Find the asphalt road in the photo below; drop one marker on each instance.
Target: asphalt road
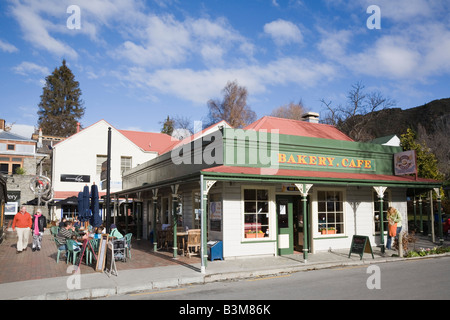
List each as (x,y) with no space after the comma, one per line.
(406,280)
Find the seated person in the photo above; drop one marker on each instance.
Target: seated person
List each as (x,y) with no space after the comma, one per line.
(66,232)
(115,233)
(77,244)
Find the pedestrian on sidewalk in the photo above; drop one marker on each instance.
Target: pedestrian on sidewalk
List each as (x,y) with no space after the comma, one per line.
(39,224)
(394,217)
(22,223)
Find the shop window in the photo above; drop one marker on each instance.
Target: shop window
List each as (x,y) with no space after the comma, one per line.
(100,160)
(125,164)
(376,212)
(330,212)
(11,147)
(4,168)
(256,213)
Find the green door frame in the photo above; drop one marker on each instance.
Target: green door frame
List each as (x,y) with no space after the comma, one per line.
(285,225)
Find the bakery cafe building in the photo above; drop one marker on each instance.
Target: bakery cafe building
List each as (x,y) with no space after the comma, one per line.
(275,187)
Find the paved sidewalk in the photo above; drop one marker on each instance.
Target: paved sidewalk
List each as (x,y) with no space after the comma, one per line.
(35,275)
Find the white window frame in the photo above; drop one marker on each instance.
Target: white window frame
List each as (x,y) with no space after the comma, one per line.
(271,213)
(315,212)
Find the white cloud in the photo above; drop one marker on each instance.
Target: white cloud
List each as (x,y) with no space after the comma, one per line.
(26,68)
(35,29)
(202,85)
(7,47)
(283,32)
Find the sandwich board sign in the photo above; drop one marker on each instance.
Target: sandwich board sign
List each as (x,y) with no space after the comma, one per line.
(360,244)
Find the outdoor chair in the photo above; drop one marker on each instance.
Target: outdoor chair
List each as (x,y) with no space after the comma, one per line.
(128,244)
(54,230)
(58,247)
(95,244)
(71,253)
(193,241)
(169,238)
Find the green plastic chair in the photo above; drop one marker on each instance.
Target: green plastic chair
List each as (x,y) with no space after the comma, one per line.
(54,230)
(58,247)
(128,239)
(95,244)
(71,252)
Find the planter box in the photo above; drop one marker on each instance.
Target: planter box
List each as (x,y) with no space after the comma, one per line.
(324,231)
(254,235)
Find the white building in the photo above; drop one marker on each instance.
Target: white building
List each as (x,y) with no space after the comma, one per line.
(77,160)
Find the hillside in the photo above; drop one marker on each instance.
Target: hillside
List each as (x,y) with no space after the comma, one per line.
(397,121)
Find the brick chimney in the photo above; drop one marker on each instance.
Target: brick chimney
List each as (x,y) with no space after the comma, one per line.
(78,127)
(2,124)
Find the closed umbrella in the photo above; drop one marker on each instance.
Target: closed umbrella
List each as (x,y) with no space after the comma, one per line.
(87,211)
(80,207)
(96,220)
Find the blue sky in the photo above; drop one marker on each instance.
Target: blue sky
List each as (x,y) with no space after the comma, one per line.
(139,61)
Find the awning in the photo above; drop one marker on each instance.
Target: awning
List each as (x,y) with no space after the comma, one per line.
(317,177)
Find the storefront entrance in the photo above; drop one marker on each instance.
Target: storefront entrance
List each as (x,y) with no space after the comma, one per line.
(290,224)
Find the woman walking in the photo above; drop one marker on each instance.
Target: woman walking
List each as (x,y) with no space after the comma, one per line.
(39,223)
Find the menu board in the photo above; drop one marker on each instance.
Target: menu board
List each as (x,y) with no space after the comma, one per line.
(360,244)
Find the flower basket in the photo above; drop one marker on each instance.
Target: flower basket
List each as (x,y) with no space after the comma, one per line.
(325,231)
(254,235)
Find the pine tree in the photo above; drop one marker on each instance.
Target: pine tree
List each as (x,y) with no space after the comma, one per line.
(61,106)
(168,126)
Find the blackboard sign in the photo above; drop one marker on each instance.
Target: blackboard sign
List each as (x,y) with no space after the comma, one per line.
(360,244)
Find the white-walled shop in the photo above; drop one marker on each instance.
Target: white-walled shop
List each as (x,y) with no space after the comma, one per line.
(277,187)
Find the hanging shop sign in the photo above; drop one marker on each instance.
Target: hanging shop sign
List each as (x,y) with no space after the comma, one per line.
(319,161)
(405,163)
(75,178)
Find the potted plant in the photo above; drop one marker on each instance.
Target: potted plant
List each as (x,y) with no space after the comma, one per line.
(250,234)
(329,230)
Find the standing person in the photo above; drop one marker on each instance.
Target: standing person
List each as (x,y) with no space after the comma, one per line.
(22,222)
(393,217)
(38,227)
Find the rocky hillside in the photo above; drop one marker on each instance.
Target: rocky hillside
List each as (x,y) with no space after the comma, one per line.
(397,121)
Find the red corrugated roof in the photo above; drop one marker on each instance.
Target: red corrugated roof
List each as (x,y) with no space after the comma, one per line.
(298,128)
(315,174)
(150,141)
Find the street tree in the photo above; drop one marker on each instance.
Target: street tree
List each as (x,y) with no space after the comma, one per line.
(61,106)
(292,110)
(233,108)
(360,110)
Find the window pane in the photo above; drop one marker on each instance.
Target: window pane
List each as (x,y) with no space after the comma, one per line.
(250,207)
(263,207)
(249,194)
(263,194)
(321,206)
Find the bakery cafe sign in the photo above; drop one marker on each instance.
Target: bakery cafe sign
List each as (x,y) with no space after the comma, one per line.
(319,161)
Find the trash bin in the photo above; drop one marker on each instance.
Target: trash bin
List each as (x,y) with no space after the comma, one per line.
(215,250)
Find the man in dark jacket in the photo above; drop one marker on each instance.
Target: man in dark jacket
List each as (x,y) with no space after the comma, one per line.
(37,230)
